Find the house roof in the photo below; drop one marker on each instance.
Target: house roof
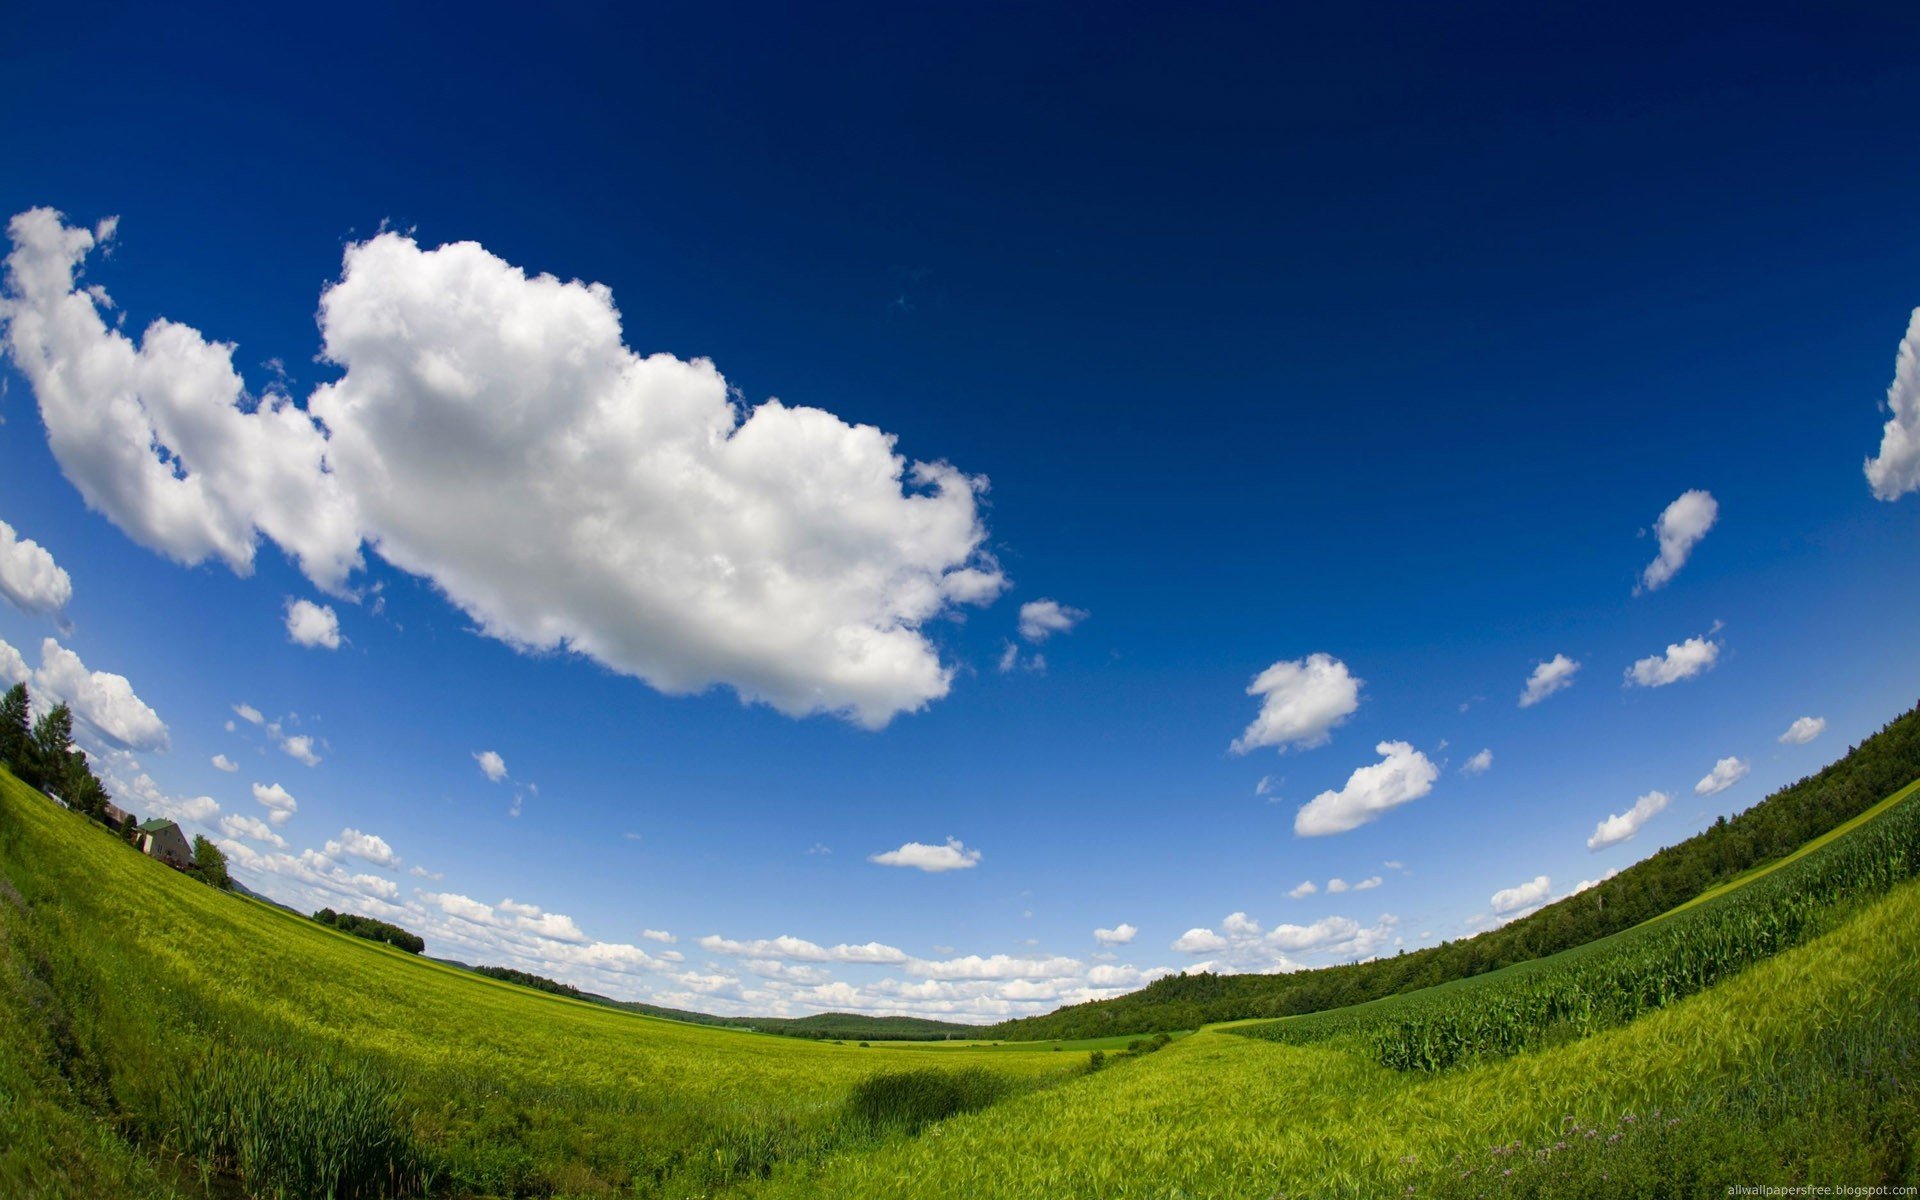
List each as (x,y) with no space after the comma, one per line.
(155,825)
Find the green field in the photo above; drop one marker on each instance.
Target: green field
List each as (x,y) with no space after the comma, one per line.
(161,1038)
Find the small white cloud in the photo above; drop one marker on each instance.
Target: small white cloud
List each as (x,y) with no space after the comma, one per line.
(1680,527)
(1368,884)
(1303,889)
(1525,895)
(279,804)
(1479,764)
(1403,774)
(250,714)
(1803,731)
(491,765)
(1041,619)
(1302,701)
(310,624)
(1199,941)
(222,763)
(820,850)
(1119,935)
(1554,675)
(1725,773)
(1682,661)
(658,935)
(1895,471)
(1336,885)
(1394,864)
(252,828)
(300,747)
(953,856)
(365,846)
(29,578)
(1240,924)
(1621,826)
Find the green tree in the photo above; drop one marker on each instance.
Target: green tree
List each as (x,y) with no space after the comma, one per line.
(47,748)
(14,716)
(210,864)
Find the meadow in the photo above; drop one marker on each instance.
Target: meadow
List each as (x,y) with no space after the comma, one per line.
(160,1038)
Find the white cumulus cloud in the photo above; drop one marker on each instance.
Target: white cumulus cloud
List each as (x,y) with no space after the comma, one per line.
(1803,731)
(492,432)
(366,846)
(1725,773)
(29,578)
(1303,889)
(952,856)
(1479,764)
(106,711)
(1681,526)
(1682,661)
(278,802)
(1119,935)
(1554,675)
(491,765)
(310,624)
(1621,826)
(222,763)
(254,829)
(1199,941)
(1526,895)
(1895,470)
(1041,619)
(1302,700)
(1403,774)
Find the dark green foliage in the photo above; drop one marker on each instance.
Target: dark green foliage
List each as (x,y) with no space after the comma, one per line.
(539,983)
(371,929)
(47,748)
(911,1100)
(1611,982)
(15,713)
(210,864)
(1776,826)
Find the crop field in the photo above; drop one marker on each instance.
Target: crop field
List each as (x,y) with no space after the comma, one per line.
(161,1038)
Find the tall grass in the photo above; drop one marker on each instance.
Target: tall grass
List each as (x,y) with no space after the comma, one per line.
(909,1101)
(1613,981)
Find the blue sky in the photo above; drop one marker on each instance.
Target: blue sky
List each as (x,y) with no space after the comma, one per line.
(1250,336)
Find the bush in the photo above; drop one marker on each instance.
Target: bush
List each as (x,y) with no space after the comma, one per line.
(912,1100)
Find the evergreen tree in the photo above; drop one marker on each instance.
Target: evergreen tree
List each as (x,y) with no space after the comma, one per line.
(47,748)
(14,716)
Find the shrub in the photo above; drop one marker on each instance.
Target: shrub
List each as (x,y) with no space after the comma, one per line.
(912,1100)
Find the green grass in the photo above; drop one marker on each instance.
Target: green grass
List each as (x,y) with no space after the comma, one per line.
(161,1039)
(119,978)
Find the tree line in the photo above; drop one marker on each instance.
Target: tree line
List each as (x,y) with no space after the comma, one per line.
(372,929)
(1777,825)
(41,754)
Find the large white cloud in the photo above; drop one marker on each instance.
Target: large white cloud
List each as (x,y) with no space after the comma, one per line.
(1403,774)
(1302,700)
(162,437)
(1682,661)
(493,433)
(954,855)
(29,578)
(1681,526)
(1553,675)
(1621,826)
(1725,773)
(1895,470)
(107,714)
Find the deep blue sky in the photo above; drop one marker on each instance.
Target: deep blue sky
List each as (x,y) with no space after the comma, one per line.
(1384,334)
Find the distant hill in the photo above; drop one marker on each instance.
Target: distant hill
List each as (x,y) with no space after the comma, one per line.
(820,1026)
(1776,826)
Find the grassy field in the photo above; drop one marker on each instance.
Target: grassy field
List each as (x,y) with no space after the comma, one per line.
(159,1038)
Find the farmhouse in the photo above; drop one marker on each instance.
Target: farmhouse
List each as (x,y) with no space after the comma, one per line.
(163,840)
(116,818)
